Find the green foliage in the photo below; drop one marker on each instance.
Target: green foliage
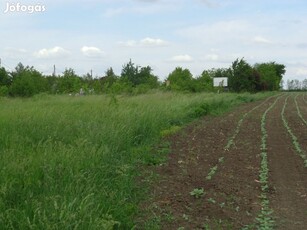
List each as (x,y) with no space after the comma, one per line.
(241,78)
(295,142)
(137,75)
(204,82)
(120,86)
(77,158)
(270,75)
(107,81)
(197,192)
(134,80)
(5,79)
(180,79)
(4,91)
(200,110)
(69,82)
(211,172)
(264,218)
(27,82)
(261,77)
(299,111)
(172,130)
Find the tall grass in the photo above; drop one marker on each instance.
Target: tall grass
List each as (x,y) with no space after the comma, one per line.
(71,162)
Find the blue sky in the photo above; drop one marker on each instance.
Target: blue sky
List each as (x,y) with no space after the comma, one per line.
(194,34)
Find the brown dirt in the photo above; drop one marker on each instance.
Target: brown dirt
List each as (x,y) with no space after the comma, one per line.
(231,197)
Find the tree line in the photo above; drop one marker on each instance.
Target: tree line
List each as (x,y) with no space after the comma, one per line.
(297,85)
(26,81)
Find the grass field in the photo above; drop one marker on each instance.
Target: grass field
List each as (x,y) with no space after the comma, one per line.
(72,162)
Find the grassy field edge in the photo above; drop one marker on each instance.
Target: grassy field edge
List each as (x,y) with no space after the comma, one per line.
(72,162)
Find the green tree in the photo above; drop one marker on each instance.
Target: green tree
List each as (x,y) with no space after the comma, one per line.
(70,82)
(146,77)
(242,77)
(180,79)
(5,82)
(137,75)
(271,75)
(5,79)
(204,82)
(109,78)
(130,73)
(27,82)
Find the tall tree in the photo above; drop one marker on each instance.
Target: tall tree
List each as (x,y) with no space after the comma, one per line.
(242,78)
(180,79)
(137,75)
(27,81)
(130,73)
(5,79)
(271,75)
(204,82)
(70,82)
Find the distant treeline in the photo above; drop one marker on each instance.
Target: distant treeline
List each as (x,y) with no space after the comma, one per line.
(134,79)
(297,85)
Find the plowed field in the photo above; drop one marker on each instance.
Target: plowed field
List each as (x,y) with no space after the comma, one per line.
(244,170)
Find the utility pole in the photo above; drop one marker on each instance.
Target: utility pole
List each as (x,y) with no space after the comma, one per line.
(53,74)
(0,62)
(91,73)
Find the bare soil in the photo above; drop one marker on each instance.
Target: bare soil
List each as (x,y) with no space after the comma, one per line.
(231,197)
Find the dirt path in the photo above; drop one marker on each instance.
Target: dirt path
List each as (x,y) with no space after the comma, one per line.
(223,175)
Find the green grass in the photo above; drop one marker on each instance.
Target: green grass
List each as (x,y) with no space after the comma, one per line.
(73,162)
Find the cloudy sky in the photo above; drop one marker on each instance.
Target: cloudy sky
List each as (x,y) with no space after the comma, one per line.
(196,34)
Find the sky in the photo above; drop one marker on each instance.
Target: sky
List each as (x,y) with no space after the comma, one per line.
(94,35)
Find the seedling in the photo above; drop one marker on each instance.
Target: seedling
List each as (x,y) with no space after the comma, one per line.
(211,173)
(197,192)
(295,142)
(264,219)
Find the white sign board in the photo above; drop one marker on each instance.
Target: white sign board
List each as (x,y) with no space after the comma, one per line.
(220,82)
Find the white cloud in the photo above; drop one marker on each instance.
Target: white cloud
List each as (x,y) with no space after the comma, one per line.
(146,42)
(182,58)
(152,42)
(92,52)
(55,52)
(260,39)
(212,57)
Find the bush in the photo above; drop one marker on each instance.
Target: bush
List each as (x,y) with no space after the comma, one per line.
(4,91)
